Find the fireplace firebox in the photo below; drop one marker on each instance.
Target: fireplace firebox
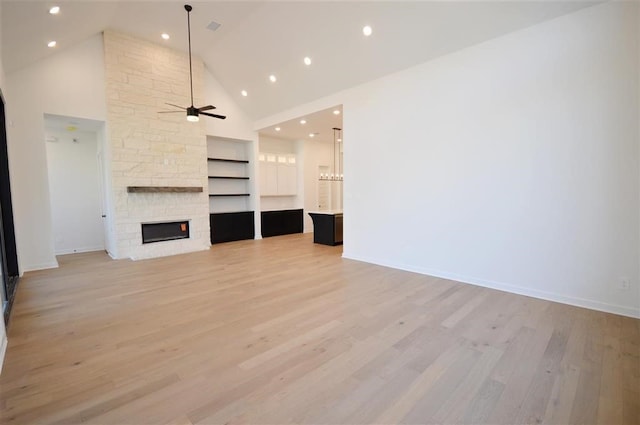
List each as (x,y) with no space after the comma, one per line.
(165,231)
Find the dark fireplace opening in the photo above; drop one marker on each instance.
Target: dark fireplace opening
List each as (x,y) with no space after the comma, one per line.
(167,231)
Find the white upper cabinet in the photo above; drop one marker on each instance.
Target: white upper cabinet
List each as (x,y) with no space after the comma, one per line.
(278,174)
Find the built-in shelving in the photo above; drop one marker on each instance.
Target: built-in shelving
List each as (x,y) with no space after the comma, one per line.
(230,189)
(227,173)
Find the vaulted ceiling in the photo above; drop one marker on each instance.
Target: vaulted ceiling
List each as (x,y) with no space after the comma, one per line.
(258,39)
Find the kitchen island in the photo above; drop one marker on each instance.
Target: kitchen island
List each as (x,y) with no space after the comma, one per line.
(327,227)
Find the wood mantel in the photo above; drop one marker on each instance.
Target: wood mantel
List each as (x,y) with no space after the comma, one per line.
(164,189)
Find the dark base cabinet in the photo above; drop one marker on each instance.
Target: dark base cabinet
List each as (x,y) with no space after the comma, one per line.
(235,226)
(327,228)
(282,222)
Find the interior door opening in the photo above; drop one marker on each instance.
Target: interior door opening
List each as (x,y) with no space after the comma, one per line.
(75,184)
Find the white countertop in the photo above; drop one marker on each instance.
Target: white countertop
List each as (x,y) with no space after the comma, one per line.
(326,212)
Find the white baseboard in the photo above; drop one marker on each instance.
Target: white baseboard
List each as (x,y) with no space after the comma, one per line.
(3,350)
(41,266)
(544,295)
(80,250)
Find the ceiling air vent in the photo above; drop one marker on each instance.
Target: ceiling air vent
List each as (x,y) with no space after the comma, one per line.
(213,25)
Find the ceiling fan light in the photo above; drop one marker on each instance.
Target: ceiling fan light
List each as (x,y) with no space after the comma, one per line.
(192,114)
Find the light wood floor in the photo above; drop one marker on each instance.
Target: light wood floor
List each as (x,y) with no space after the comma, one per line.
(285,331)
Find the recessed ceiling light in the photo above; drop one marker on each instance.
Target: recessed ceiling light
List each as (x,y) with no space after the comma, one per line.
(277,128)
(54,10)
(272,78)
(303,121)
(244,93)
(307,60)
(52,44)
(165,36)
(311,134)
(366,30)
(336,112)
(339,140)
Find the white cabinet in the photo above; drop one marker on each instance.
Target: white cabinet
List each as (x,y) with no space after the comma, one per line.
(278,174)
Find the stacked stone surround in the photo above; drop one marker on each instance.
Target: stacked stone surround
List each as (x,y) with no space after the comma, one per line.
(151,149)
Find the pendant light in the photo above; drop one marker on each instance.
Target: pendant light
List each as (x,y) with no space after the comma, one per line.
(336,172)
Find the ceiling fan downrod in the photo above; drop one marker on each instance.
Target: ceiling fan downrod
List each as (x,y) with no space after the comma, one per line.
(188,8)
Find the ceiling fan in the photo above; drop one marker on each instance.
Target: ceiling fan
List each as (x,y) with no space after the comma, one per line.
(192,111)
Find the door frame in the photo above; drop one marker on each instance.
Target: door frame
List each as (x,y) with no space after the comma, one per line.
(9,253)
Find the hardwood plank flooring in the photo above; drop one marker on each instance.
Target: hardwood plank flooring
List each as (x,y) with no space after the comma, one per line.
(286,331)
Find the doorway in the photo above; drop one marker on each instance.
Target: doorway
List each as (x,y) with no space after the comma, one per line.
(75,184)
(8,254)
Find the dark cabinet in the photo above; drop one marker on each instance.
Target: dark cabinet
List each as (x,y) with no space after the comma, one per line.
(281,222)
(233,226)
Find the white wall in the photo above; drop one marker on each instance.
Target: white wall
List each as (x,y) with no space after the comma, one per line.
(237,125)
(75,193)
(511,164)
(70,83)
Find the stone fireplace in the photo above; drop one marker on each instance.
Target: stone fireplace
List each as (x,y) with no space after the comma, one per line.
(153,150)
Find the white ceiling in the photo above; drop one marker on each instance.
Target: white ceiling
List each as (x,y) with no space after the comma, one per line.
(257,39)
(320,124)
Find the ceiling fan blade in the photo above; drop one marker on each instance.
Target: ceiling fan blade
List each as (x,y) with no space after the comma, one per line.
(213,115)
(171,104)
(170,112)
(206,108)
